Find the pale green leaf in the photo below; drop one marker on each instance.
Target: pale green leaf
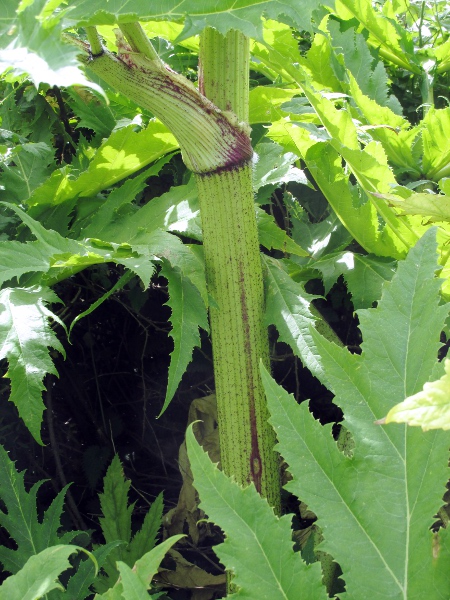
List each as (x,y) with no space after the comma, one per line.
(258,545)
(368,73)
(380,500)
(273,167)
(147,566)
(245,17)
(429,408)
(265,103)
(25,339)
(435,207)
(436,143)
(32,46)
(39,575)
(188,315)
(288,308)
(177,210)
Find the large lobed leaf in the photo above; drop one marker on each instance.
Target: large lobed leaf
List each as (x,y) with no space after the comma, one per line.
(376,506)
(223,15)
(258,545)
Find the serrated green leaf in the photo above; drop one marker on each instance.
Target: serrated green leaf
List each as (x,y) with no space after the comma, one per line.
(177,210)
(33,46)
(429,408)
(403,469)
(25,336)
(272,166)
(188,315)
(273,237)
(224,15)
(265,103)
(39,575)
(78,587)
(17,258)
(364,275)
(20,518)
(395,43)
(258,545)
(369,74)
(144,540)
(288,308)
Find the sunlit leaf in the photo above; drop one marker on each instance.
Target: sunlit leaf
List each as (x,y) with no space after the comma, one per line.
(429,408)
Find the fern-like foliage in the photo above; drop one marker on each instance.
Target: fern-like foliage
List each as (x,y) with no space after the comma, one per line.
(116,525)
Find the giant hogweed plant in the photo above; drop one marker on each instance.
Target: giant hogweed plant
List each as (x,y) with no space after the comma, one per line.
(357,148)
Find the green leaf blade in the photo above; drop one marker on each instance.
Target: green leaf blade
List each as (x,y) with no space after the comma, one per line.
(258,545)
(381,499)
(39,575)
(188,315)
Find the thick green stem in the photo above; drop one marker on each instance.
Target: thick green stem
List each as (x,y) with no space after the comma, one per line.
(224,70)
(215,142)
(234,278)
(235,281)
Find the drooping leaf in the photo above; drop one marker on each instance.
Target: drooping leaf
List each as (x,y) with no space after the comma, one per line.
(19,518)
(358,214)
(25,339)
(188,315)
(380,498)
(429,408)
(39,575)
(258,545)
(120,155)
